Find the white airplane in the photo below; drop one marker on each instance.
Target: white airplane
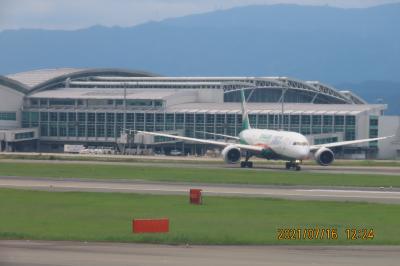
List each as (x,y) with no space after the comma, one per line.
(290,146)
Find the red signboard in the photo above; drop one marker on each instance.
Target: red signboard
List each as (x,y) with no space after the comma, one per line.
(150,225)
(195,196)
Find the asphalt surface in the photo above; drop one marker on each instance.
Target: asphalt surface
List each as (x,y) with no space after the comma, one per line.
(37,253)
(259,165)
(383,195)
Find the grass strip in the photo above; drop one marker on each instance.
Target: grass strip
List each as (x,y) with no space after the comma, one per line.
(220,220)
(195,175)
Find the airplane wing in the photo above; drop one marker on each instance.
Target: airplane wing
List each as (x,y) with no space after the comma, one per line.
(344,143)
(204,141)
(222,135)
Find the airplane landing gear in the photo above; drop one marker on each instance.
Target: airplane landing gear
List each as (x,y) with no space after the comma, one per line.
(246,162)
(294,165)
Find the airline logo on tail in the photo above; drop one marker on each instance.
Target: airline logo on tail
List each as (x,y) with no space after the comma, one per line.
(245,117)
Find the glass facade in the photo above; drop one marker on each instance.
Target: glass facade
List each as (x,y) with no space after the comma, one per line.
(111,124)
(373,130)
(350,127)
(8,116)
(24,135)
(94,103)
(325,140)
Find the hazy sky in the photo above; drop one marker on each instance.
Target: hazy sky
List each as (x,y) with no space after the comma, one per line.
(75,14)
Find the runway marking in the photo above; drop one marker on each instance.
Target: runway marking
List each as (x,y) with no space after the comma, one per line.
(352,191)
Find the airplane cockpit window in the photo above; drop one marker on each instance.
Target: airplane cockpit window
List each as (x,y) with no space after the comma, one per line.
(300,143)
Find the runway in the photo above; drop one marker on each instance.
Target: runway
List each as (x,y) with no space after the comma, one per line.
(387,195)
(37,253)
(259,165)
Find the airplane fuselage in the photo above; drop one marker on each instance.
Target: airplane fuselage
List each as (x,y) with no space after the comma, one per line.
(269,144)
(277,144)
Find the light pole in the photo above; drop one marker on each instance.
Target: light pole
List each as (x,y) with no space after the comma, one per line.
(282,106)
(124,107)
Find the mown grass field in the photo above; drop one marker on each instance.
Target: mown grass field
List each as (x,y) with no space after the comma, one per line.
(107,217)
(196,175)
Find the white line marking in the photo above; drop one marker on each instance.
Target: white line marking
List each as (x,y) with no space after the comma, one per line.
(349,191)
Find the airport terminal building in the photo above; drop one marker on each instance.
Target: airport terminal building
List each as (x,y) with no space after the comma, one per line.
(43,110)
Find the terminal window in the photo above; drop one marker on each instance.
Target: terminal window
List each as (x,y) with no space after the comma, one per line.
(25,135)
(8,116)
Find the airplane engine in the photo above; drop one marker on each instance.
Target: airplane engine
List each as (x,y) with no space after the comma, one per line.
(231,154)
(324,156)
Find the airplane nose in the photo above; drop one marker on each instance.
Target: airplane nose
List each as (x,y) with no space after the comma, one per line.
(304,153)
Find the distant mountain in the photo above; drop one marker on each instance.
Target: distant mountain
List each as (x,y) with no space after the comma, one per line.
(377,92)
(323,43)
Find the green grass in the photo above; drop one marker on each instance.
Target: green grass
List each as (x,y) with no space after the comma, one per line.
(107,217)
(196,175)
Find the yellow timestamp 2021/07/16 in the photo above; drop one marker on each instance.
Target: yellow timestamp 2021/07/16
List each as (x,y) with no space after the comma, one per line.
(320,233)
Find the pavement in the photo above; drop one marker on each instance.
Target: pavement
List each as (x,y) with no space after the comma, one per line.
(217,163)
(40,253)
(378,195)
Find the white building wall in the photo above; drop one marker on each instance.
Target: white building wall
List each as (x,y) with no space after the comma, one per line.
(362,122)
(196,96)
(389,148)
(181,97)
(11,101)
(362,130)
(9,135)
(210,96)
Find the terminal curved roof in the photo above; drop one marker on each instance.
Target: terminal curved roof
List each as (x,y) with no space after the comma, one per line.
(231,84)
(34,77)
(13,84)
(316,88)
(31,82)
(87,73)
(43,78)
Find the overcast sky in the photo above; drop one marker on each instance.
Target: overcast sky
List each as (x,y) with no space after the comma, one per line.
(75,14)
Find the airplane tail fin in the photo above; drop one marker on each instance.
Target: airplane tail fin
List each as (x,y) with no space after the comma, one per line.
(245,117)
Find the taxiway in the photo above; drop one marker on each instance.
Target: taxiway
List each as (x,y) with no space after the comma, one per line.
(40,253)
